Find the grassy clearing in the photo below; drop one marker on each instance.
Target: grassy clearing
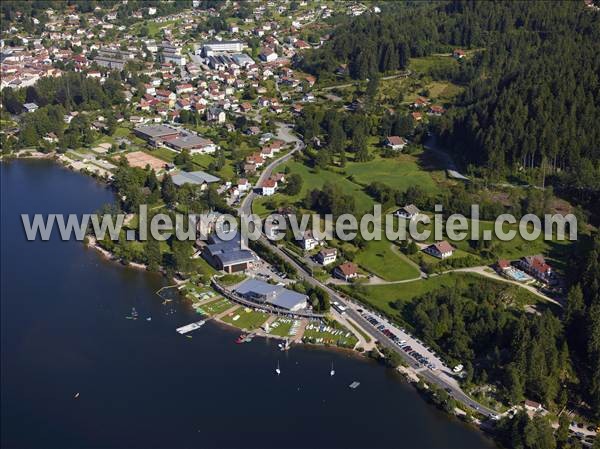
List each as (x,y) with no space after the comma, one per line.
(217,306)
(231,279)
(315,179)
(399,172)
(248,319)
(162,153)
(382,297)
(378,258)
(426,63)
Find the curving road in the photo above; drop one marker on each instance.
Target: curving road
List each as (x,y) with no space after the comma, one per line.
(285,133)
(438,378)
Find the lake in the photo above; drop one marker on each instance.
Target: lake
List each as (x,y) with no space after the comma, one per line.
(141,384)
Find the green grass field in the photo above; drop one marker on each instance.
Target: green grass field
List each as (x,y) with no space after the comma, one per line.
(426,63)
(378,258)
(313,180)
(381,297)
(248,319)
(217,306)
(399,173)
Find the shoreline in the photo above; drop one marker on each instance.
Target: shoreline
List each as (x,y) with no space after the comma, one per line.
(407,373)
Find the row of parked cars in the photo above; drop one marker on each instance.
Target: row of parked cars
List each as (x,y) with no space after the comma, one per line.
(421,359)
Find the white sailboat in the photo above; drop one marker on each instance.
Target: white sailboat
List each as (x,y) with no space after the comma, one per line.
(277,370)
(332,372)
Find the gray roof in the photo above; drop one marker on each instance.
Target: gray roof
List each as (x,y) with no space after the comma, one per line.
(287,299)
(411,209)
(229,252)
(258,287)
(156,130)
(278,295)
(235,257)
(189,141)
(194,177)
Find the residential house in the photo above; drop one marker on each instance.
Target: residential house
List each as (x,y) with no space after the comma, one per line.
(308,242)
(214,114)
(408,212)
(327,256)
(441,250)
(458,53)
(537,267)
(396,143)
(346,271)
(269,187)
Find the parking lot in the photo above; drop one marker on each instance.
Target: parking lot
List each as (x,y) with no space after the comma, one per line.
(264,271)
(412,346)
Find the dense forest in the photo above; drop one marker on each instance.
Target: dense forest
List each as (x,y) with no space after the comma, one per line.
(524,356)
(529,111)
(532,91)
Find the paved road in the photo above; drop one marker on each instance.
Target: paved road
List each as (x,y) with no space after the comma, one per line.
(437,377)
(284,132)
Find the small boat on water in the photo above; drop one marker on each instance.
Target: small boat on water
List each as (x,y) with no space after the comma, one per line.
(241,339)
(332,372)
(285,345)
(354,384)
(76,395)
(134,313)
(277,370)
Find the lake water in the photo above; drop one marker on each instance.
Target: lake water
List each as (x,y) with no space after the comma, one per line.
(141,384)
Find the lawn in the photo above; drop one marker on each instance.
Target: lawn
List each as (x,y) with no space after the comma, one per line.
(381,297)
(426,63)
(377,257)
(162,153)
(314,179)
(399,172)
(217,306)
(248,319)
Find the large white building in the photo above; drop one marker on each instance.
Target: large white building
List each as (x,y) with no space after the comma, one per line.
(212,47)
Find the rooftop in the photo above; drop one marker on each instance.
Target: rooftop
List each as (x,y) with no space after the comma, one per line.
(195,177)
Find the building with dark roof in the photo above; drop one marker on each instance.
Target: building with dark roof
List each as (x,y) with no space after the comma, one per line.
(227,255)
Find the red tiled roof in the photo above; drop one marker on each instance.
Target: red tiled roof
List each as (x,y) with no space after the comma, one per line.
(348,268)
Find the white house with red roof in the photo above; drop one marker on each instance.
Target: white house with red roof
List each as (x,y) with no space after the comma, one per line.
(346,271)
(269,187)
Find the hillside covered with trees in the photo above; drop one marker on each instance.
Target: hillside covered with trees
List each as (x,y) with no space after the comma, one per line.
(531,89)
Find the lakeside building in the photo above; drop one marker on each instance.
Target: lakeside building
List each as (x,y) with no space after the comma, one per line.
(227,255)
(262,292)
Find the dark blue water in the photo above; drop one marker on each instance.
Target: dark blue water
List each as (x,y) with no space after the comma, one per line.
(141,384)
